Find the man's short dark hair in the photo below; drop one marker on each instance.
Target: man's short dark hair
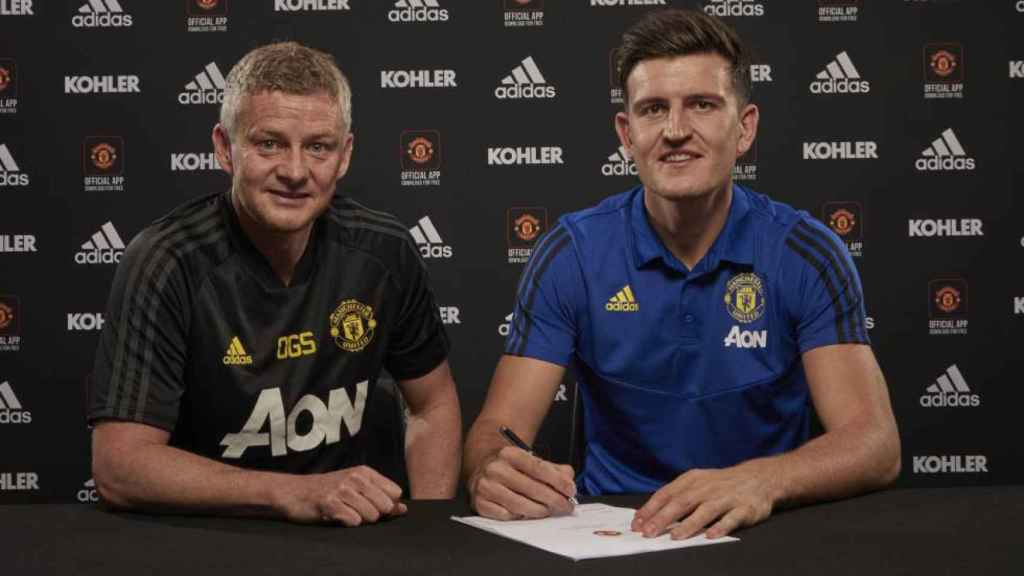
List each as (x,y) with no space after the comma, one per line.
(681,32)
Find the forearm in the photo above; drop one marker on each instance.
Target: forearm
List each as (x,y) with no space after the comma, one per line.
(858,457)
(433,440)
(511,403)
(163,478)
(482,442)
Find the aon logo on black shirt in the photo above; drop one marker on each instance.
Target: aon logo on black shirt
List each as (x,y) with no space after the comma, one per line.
(283,436)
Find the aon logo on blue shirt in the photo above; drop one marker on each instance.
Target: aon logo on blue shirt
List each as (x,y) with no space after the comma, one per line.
(283,435)
(746,338)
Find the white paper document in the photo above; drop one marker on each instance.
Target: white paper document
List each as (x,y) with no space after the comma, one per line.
(592,531)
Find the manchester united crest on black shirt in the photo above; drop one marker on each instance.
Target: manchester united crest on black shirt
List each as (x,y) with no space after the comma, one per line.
(352,325)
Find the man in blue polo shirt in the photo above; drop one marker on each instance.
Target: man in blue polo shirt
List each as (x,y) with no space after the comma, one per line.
(701,320)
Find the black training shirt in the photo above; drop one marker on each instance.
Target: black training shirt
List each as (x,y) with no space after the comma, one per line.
(203,340)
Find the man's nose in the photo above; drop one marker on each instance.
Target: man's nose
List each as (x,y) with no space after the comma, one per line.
(293,166)
(677,124)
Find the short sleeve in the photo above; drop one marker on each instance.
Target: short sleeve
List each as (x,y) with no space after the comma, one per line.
(545,315)
(138,374)
(418,339)
(826,302)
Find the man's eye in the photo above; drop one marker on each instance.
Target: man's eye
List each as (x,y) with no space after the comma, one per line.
(317,147)
(653,108)
(266,145)
(705,104)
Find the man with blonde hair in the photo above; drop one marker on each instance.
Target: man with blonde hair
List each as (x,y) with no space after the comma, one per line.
(246,330)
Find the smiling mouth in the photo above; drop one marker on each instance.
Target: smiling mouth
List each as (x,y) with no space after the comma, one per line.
(288,195)
(678,157)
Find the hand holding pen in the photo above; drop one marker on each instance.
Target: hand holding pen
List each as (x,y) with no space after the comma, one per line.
(518,443)
(512,483)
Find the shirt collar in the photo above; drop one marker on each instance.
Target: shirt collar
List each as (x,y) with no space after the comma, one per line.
(647,246)
(734,243)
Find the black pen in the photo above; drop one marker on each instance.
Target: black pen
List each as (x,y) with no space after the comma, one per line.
(518,443)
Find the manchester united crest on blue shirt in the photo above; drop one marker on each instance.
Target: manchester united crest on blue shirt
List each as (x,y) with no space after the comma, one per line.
(744,297)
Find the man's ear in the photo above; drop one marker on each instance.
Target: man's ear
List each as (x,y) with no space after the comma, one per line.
(222,148)
(346,155)
(622,129)
(749,118)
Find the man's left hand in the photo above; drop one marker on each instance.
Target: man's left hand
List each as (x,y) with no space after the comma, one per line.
(719,500)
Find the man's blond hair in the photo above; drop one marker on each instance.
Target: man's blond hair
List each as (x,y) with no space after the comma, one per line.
(287,67)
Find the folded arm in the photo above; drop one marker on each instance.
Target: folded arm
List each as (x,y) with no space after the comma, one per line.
(135,468)
(858,451)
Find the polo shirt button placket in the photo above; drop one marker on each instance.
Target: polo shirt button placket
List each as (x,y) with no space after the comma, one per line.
(689,330)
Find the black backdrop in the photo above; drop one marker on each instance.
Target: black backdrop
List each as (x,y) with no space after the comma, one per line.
(893,121)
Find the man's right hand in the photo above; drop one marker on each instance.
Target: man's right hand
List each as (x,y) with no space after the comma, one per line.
(513,484)
(351,496)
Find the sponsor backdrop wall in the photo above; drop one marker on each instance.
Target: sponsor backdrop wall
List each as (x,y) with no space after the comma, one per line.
(480,123)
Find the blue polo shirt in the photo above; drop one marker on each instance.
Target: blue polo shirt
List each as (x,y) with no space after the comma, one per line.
(684,368)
